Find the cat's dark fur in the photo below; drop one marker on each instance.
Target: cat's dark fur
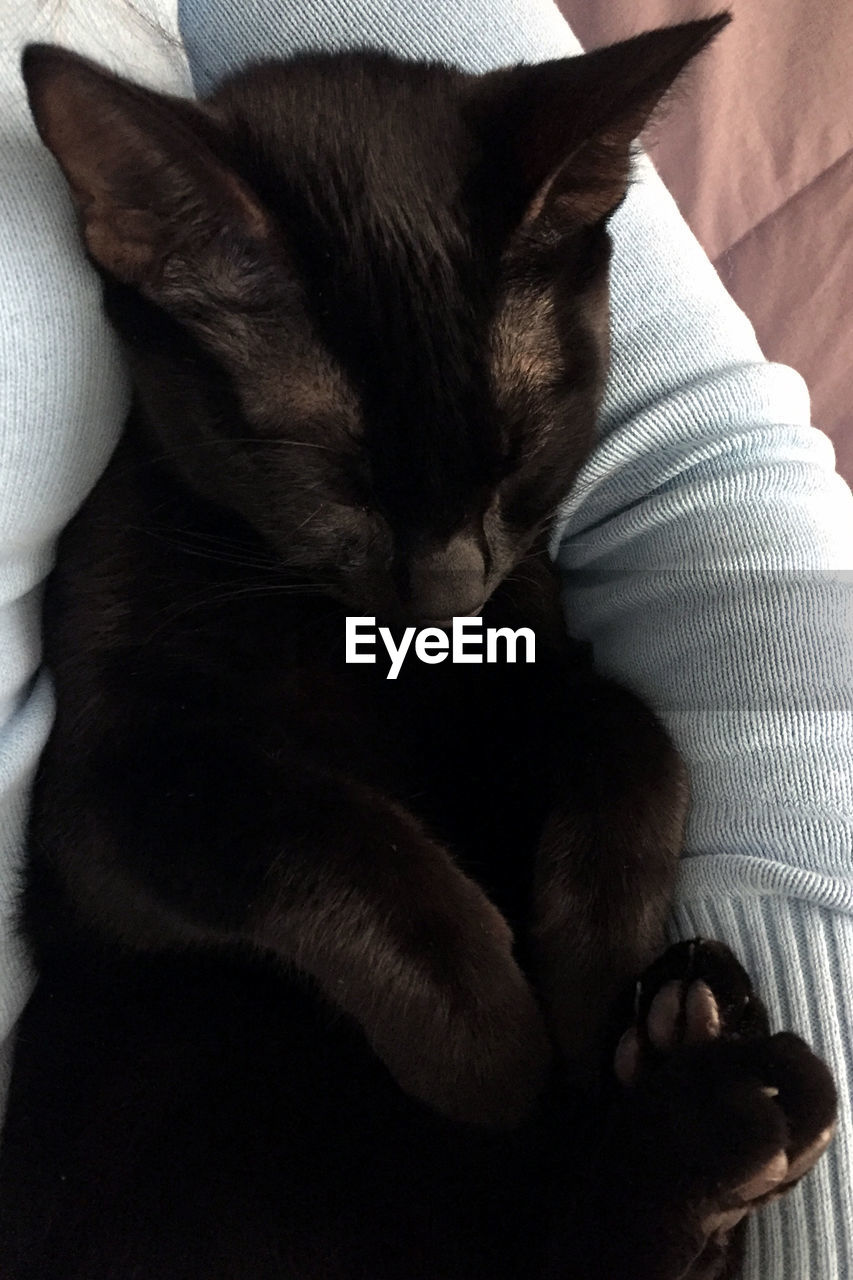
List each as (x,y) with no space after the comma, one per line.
(331,965)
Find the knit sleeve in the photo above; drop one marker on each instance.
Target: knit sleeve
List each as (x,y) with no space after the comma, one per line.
(707,553)
(63,396)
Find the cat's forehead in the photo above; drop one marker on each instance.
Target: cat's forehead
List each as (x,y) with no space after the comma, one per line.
(388,131)
(363,163)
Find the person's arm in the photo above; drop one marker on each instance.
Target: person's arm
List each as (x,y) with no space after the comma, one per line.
(63,397)
(707,552)
(703,552)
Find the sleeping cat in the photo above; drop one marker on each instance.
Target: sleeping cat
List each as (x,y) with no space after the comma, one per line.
(340,976)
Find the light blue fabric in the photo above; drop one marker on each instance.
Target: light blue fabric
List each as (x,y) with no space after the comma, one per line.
(707,547)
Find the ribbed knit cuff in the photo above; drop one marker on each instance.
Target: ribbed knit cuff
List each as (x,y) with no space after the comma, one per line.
(801,959)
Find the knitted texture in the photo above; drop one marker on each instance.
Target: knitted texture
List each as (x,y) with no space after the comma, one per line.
(706,546)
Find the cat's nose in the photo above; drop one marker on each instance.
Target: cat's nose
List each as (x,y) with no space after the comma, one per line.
(449,580)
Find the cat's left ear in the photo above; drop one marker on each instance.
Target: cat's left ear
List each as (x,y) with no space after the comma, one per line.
(559,134)
(142,166)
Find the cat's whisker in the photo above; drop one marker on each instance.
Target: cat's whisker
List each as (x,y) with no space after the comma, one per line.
(311,517)
(209,600)
(203,551)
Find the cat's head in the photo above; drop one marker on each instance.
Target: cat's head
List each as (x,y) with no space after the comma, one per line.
(366,300)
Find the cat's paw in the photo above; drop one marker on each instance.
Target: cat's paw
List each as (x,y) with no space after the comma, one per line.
(694,993)
(742,1114)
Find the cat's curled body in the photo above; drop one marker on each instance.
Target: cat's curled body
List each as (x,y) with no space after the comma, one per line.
(332,965)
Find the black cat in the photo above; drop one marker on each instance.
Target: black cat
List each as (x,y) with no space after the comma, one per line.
(339,973)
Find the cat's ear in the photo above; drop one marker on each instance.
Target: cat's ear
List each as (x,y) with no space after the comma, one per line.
(564,129)
(142,166)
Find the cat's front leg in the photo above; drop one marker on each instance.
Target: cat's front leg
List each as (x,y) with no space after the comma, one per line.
(615,801)
(607,859)
(712,1117)
(397,936)
(199,843)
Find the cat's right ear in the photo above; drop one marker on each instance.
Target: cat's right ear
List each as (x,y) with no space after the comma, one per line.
(559,135)
(142,166)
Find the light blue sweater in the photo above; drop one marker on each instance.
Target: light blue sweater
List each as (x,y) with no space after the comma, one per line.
(707,547)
